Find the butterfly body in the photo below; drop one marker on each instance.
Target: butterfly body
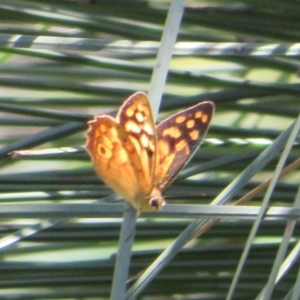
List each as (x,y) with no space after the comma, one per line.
(138,159)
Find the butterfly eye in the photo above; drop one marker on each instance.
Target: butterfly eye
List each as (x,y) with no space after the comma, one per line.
(155,203)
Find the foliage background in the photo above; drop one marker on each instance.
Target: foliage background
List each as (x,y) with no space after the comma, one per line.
(55,243)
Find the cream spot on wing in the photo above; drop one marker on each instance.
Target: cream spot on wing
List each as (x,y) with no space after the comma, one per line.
(129,112)
(194,134)
(180,145)
(190,124)
(148,129)
(144,140)
(132,126)
(198,114)
(180,119)
(122,156)
(172,131)
(204,118)
(140,117)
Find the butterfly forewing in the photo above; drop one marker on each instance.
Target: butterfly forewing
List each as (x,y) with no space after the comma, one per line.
(178,138)
(135,116)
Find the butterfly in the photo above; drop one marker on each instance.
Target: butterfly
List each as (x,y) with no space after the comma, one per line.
(138,159)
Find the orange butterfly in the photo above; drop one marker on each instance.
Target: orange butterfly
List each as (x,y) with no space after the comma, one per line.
(138,159)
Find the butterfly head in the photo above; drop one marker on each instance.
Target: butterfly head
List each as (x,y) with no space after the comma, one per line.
(152,203)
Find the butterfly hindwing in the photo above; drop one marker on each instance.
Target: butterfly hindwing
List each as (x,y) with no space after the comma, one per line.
(110,158)
(179,137)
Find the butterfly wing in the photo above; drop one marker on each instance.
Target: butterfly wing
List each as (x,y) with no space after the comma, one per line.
(135,116)
(123,149)
(110,159)
(179,137)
